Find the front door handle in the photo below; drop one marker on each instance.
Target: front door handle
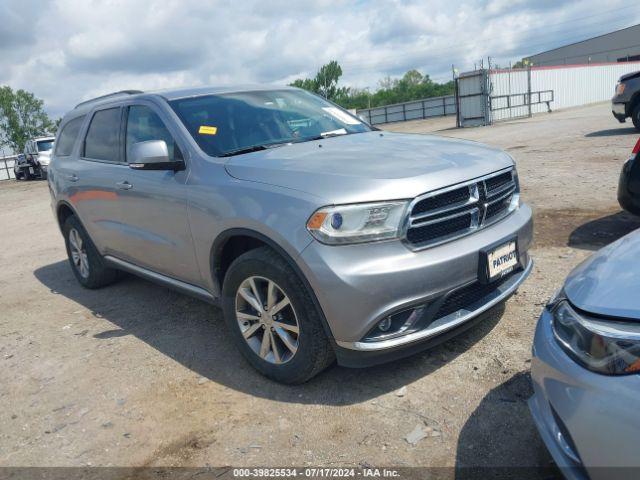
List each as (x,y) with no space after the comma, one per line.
(72,177)
(124,185)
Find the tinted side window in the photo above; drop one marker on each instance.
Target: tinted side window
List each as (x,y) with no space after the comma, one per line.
(144,124)
(68,136)
(101,141)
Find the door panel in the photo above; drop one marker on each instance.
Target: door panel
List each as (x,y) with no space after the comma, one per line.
(89,179)
(154,226)
(93,195)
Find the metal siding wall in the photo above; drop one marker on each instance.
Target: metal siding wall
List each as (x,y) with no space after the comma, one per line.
(572,86)
(576,86)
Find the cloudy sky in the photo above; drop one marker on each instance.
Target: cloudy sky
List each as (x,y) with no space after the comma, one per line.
(66,51)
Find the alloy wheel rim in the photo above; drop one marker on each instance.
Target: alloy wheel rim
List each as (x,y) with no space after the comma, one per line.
(267,320)
(78,253)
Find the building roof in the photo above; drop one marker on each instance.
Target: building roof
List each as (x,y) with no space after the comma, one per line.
(587,40)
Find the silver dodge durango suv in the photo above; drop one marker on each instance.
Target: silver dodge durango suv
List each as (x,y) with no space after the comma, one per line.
(320,236)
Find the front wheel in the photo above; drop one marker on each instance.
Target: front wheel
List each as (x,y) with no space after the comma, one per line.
(86,262)
(272,318)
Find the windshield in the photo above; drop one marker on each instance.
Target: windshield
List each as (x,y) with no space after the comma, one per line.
(45,145)
(232,123)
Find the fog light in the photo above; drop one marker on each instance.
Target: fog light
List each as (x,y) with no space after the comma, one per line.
(385,325)
(397,324)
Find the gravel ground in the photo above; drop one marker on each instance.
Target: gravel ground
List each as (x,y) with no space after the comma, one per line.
(137,375)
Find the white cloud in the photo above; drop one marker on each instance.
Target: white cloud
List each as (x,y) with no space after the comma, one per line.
(66,51)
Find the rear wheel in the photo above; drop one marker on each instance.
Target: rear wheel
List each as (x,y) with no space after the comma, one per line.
(87,264)
(272,319)
(635,117)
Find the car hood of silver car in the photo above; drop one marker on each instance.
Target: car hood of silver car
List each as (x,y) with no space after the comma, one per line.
(608,282)
(369,166)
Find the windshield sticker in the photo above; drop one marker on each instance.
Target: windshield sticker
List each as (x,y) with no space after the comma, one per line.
(207,130)
(340,115)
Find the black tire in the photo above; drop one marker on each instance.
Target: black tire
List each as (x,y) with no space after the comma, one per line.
(99,274)
(18,175)
(635,117)
(314,352)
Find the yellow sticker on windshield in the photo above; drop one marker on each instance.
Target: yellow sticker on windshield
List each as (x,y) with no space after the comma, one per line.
(206,130)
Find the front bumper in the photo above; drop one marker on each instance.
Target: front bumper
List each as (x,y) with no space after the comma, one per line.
(359,285)
(619,111)
(589,422)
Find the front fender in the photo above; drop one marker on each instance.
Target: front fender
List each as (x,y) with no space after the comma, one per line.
(223,204)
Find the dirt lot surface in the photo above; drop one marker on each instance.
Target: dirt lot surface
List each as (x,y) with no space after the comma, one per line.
(135,374)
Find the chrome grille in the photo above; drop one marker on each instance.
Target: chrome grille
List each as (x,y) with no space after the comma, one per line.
(459,210)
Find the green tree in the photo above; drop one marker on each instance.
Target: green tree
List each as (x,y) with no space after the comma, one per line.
(306,83)
(325,82)
(413,85)
(22,117)
(412,78)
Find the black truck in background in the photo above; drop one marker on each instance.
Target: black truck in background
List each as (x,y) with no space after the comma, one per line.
(626,102)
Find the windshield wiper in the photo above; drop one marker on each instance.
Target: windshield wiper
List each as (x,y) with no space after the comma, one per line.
(265,146)
(333,133)
(253,148)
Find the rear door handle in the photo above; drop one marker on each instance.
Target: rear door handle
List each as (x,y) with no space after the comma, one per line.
(124,185)
(72,177)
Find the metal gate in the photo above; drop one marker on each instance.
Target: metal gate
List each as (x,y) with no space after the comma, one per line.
(511,96)
(487,96)
(472,94)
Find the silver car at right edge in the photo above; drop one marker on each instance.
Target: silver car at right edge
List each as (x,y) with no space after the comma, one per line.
(586,367)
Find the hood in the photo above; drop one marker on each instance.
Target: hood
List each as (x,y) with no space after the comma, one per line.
(369,166)
(629,76)
(607,283)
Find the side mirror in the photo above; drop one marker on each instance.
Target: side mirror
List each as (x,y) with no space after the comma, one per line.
(152,155)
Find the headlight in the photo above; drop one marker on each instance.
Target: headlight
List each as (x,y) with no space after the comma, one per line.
(358,223)
(515,199)
(603,346)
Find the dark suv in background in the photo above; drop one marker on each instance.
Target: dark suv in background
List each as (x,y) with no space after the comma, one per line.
(626,102)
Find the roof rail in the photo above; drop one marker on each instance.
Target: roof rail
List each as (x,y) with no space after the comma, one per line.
(121,92)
